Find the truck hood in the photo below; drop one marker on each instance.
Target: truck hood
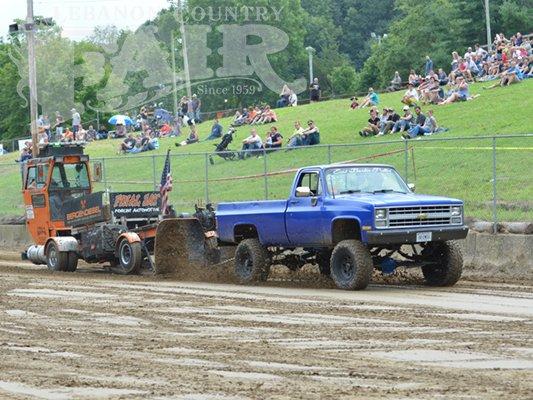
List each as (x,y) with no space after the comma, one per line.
(396,199)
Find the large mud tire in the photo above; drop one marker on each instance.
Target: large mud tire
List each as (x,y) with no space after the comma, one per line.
(252,263)
(449,267)
(323,260)
(56,260)
(351,265)
(129,258)
(72,264)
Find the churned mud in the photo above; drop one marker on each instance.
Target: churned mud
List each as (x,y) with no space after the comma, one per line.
(90,335)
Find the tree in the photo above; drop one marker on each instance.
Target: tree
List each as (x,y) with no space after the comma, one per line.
(343,79)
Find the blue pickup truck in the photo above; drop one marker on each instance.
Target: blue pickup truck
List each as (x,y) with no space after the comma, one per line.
(350,220)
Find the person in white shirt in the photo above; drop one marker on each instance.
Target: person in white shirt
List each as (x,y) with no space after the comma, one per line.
(251,144)
(293,99)
(411,96)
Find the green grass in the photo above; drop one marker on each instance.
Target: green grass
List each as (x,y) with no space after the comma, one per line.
(458,168)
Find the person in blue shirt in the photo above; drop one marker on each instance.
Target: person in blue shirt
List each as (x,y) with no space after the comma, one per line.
(216,130)
(371,100)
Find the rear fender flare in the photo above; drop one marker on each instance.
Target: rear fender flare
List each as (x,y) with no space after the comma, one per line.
(64,243)
(131,237)
(246,230)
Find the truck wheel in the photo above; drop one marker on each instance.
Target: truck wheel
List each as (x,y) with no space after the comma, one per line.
(450,264)
(351,265)
(56,260)
(129,258)
(252,263)
(323,259)
(72,264)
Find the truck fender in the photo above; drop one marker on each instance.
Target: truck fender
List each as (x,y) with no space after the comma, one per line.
(345,227)
(244,230)
(64,243)
(131,237)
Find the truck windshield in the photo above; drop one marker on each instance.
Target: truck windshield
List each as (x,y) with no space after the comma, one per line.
(349,180)
(70,176)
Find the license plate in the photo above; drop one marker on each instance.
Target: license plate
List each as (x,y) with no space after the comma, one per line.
(423,237)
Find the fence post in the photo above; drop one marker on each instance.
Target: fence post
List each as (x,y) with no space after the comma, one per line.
(206,178)
(153,172)
(265,168)
(104,174)
(329,154)
(406,144)
(494,192)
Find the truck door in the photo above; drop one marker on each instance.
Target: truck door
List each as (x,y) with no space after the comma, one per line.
(303,219)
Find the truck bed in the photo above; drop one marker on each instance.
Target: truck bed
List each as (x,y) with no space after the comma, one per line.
(268,215)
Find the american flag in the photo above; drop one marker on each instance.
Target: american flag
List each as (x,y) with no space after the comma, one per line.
(166,185)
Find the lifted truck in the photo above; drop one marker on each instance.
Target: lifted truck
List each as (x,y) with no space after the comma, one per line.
(350,220)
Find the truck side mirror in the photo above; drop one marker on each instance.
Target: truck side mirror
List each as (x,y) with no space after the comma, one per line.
(303,191)
(411,187)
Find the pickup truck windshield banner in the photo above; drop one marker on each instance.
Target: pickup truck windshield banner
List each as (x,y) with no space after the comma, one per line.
(85,210)
(135,204)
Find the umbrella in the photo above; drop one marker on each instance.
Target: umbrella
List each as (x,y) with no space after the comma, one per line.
(120,119)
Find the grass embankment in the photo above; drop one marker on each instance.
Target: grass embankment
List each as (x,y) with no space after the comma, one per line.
(460,169)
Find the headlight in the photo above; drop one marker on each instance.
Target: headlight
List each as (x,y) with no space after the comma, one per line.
(381,214)
(457,211)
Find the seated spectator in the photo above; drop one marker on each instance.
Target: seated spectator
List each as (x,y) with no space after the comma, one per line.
(91,134)
(120,131)
(464,70)
(373,124)
(251,144)
(460,94)
(392,118)
(383,119)
(81,135)
(68,136)
(216,130)
(371,100)
(252,114)
(396,83)
(354,103)
(127,144)
(442,77)
(420,118)
(427,128)
(42,138)
(404,122)
(192,138)
(311,135)
(25,154)
(267,116)
(511,75)
(431,92)
(239,118)
(165,130)
(297,138)
(284,97)
(410,97)
(274,139)
(102,133)
(413,79)
(293,99)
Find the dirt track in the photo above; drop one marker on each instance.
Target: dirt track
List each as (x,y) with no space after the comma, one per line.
(92,335)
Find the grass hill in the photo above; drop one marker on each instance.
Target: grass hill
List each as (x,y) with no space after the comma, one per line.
(458,168)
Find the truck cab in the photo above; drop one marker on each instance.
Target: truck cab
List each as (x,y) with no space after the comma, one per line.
(59,174)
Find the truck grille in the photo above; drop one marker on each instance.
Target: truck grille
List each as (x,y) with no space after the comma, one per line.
(419,216)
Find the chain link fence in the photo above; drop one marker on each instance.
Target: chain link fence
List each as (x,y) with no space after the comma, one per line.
(492,175)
